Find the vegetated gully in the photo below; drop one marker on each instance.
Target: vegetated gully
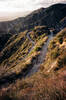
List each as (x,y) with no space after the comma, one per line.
(36,64)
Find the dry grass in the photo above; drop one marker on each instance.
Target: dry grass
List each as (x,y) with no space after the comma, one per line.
(42,85)
(33,89)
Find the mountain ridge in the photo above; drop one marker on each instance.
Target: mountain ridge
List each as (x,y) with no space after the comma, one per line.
(38,17)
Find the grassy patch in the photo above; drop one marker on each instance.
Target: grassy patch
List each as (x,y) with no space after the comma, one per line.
(55,53)
(38,32)
(52,45)
(61,63)
(61,36)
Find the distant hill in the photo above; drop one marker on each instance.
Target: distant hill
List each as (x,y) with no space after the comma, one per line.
(9,16)
(50,17)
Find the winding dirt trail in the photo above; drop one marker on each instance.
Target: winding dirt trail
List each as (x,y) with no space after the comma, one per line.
(28,36)
(36,64)
(41,57)
(33,43)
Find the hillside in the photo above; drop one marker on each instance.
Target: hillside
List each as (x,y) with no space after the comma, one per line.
(33,56)
(19,46)
(51,71)
(55,15)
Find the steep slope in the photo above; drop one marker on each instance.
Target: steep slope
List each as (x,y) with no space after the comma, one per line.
(33,62)
(41,57)
(56,56)
(53,14)
(21,46)
(49,82)
(3,39)
(63,22)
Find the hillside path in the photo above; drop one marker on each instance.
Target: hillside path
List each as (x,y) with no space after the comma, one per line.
(8,79)
(41,57)
(33,43)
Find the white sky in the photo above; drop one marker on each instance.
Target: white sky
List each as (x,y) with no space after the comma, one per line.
(24,5)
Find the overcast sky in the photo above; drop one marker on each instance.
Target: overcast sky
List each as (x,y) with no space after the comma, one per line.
(24,5)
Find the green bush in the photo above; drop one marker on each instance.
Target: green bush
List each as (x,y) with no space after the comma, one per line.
(61,61)
(52,45)
(55,53)
(60,39)
(38,48)
(61,35)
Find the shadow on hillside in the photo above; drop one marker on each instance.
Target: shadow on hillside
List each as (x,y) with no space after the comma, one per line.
(12,77)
